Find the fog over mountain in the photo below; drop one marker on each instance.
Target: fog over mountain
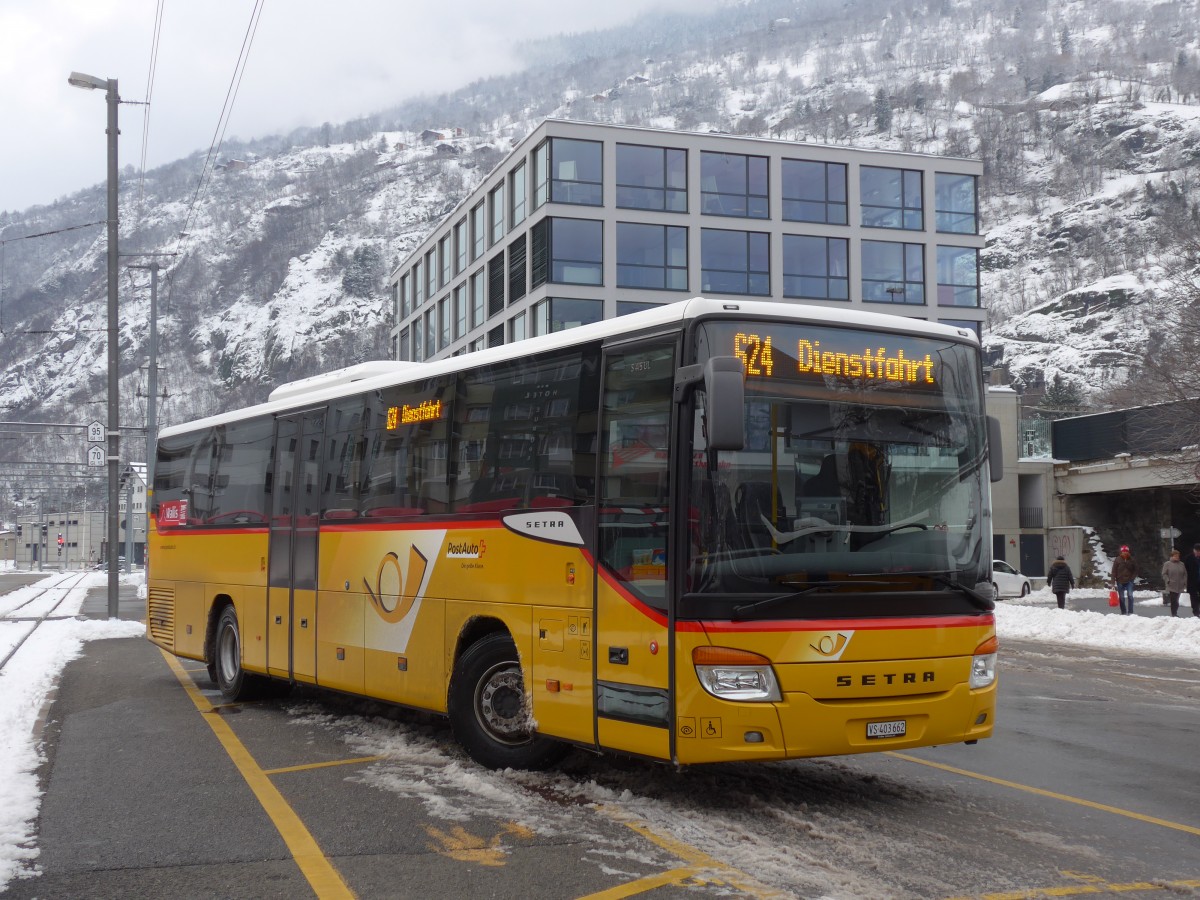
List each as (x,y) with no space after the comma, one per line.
(1085,114)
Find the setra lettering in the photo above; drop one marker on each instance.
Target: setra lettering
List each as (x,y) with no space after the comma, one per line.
(888,678)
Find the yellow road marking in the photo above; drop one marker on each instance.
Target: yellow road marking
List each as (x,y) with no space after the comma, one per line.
(463,846)
(698,861)
(322,765)
(1080,890)
(1066,798)
(324,879)
(642,885)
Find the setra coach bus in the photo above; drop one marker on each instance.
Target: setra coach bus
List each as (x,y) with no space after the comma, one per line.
(705,532)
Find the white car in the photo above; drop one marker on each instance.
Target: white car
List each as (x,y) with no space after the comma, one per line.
(1007,581)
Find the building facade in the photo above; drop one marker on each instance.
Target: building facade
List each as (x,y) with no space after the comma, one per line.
(585,221)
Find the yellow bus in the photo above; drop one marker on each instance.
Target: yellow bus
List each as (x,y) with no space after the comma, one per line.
(704,532)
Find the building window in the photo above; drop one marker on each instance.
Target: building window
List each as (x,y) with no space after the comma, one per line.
(964,323)
(814,191)
(445,323)
(461,247)
(478,230)
(431,273)
(652,256)
(495,337)
(541,174)
(516,193)
(404,352)
(418,279)
(651,178)
(396,301)
(446,258)
(735,262)
(733,185)
(891,198)
(955,206)
(958,276)
(516,328)
(558,314)
(893,273)
(496,214)
(516,269)
(431,346)
(576,172)
(460,311)
(815,268)
(495,288)
(405,296)
(567,251)
(418,343)
(478,299)
(626,307)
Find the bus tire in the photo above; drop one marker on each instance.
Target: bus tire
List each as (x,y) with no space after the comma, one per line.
(231,678)
(489,709)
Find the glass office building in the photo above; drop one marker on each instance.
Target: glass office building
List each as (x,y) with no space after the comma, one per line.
(586,221)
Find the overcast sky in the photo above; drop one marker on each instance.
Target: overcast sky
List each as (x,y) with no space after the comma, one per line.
(311,61)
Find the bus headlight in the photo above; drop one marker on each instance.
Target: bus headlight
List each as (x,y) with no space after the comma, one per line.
(736,674)
(983,663)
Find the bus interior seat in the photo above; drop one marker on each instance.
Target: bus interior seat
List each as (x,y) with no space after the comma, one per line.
(752,501)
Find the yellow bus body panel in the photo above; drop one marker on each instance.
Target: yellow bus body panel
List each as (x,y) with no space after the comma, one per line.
(394,600)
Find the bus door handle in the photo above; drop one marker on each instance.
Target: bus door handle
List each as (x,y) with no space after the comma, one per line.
(618,655)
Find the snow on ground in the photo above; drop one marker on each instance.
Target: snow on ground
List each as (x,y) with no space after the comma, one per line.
(24,690)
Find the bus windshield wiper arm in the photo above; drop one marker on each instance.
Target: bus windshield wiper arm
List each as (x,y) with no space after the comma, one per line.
(795,595)
(981,602)
(778,598)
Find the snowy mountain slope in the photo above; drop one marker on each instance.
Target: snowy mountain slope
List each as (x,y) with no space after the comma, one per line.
(1086,115)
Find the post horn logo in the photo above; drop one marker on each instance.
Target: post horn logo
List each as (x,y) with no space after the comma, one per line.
(831,646)
(394,595)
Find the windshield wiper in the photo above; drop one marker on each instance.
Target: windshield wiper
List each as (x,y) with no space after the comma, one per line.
(796,595)
(976,600)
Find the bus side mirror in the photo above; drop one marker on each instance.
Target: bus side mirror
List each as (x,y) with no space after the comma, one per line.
(725,390)
(995,449)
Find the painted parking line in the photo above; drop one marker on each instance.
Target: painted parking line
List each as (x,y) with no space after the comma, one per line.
(1090,888)
(324,879)
(700,866)
(1041,792)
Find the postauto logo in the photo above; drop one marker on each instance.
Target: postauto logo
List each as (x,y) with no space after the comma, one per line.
(466,549)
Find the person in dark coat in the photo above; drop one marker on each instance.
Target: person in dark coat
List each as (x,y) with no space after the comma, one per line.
(1192,564)
(1124,574)
(1175,580)
(1060,579)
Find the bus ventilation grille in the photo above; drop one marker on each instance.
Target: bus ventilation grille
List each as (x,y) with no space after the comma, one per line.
(160,610)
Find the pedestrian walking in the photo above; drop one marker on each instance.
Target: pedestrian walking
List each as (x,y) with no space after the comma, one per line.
(1192,564)
(1175,580)
(1061,579)
(1124,574)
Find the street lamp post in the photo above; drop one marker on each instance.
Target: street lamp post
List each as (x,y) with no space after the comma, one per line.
(109,86)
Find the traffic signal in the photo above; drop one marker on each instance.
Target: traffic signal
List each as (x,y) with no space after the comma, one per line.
(45,528)
(18,529)
(60,540)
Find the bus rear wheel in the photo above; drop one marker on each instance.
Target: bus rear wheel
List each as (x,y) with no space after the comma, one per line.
(489,709)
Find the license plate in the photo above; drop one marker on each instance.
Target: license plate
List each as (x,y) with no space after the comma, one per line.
(886,729)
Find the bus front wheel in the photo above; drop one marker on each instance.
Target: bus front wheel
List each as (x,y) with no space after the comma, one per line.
(489,709)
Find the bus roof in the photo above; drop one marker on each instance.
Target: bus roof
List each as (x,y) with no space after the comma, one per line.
(317,389)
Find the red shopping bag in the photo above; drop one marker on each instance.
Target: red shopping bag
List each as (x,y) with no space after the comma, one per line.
(1113,599)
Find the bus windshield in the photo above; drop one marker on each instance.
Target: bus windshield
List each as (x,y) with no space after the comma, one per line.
(862,487)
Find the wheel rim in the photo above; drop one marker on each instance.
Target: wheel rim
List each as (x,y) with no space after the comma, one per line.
(228,654)
(995,592)
(500,704)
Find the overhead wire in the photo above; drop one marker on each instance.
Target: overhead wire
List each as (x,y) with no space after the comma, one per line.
(154,45)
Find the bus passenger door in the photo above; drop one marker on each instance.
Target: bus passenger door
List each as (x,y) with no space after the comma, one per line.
(632,638)
(292,551)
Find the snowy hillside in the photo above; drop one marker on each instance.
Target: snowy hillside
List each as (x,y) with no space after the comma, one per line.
(1086,116)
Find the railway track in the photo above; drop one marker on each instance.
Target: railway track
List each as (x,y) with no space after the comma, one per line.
(33,611)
